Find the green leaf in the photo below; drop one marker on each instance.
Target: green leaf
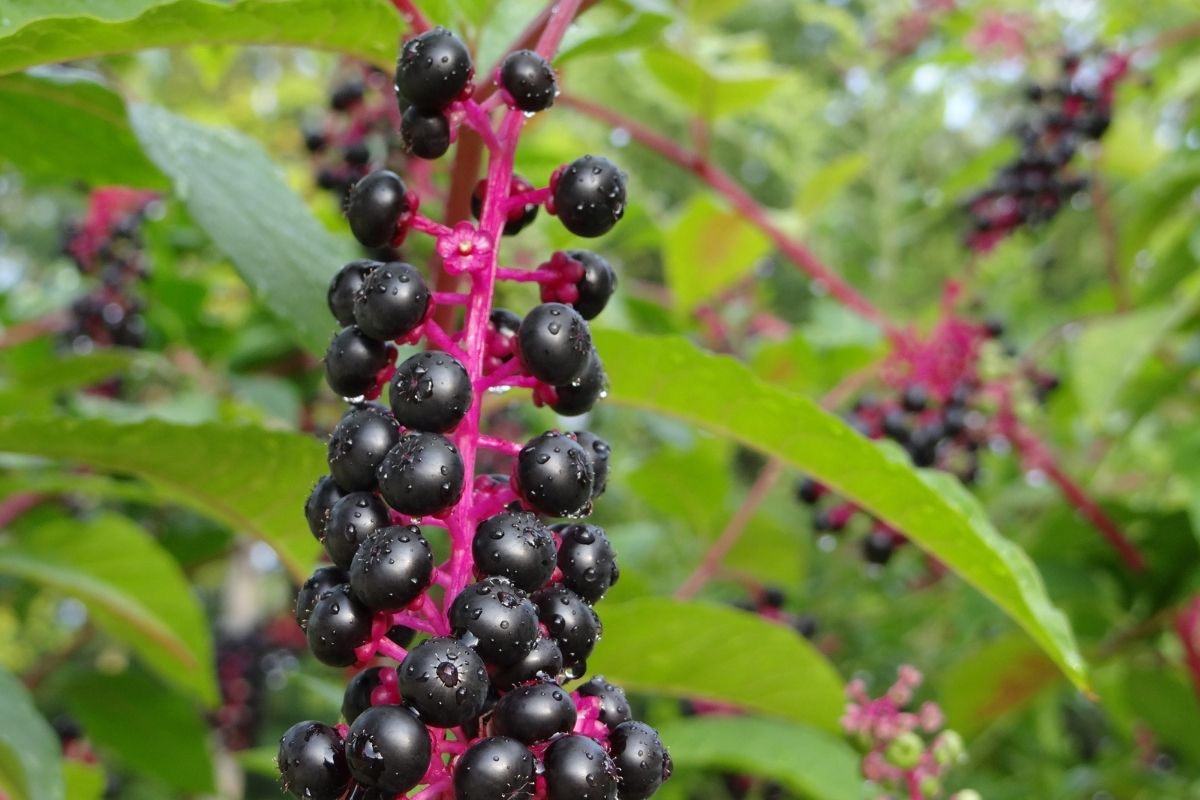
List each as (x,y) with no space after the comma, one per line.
(809,762)
(103,562)
(30,753)
(252,479)
(50,31)
(671,376)
(84,781)
(826,183)
(629,32)
(707,249)
(48,117)
(238,196)
(1001,676)
(708,92)
(702,650)
(148,727)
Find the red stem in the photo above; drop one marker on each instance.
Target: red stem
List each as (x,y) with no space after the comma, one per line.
(1187,627)
(412,15)
(747,206)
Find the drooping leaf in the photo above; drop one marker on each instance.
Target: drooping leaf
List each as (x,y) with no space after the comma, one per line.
(104,562)
(707,249)
(68,127)
(692,649)
(1002,676)
(670,376)
(30,753)
(238,196)
(149,727)
(51,31)
(809,762)
(252,479)
(630,32)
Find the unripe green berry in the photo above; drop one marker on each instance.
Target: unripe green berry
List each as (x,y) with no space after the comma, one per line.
(905,750)
(967,794)
(930,786)
(948,749)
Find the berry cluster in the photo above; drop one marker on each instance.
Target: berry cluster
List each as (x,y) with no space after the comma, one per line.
(476,709)
(106,244)
(1032,189)
(246,665)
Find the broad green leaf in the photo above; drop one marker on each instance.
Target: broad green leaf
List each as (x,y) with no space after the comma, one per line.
(50,31)
(630,32)
(826,183)
(252,479)
(146,725)
(708,92)
(707,249)
(104,562)
(238,196)
(999,677)
(84,781)
(30,753)
(670,376)
(703,650)
(68,127)
(809,762)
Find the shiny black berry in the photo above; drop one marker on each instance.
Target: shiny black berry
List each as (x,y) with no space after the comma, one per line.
(425,134)
(388,749)
(433,69)
(578,768)
(808,491)
(352,362)
(392,301)
(353,518)
(431,392)
(391,568)
(642,761)
(338,624)
(347,283)
(321,581)
(529,80)
(579,396)
(499,618)
(878,547)
(614,706)
(498,767)
(598,451)
(543,662)
(554,475)
(517,546)
(914,398)
(358,444)
(374,207)
(589,196)
(319,503)
(422,474)
(357,697)
(444,681)
(534,713)
(571,622)
(518,218)
(312,761)
(597,285)
(586,560)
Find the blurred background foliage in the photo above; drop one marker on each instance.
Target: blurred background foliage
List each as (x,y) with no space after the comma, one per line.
(859,126)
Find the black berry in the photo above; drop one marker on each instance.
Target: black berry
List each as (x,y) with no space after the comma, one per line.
(347,283)
(392,301)
(312,761)
(422,474)
(589,196)
(388,749)
(338,624)
(391,568)
(357,697)
(915,398)
(555,344)
(598,452)
(374,207)
(534,713)
(878,547)
(579,396)
(529,80)
(597,285)
(444,681)
(808,491)
(586,560)
(357,154)
(358,444)
(425,134)
(554,475)
(433,69)
(571,622)
(352,362)
(498,767)
(431,392)
(346,95)
(642,761)
(321,581)
(543,662)
(499,617)
(519,217)
(319,503)
(517,546)
(355,517)
(614,706)
(578,768)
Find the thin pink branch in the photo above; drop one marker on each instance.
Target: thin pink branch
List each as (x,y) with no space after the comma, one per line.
(1187,627)
(417,22)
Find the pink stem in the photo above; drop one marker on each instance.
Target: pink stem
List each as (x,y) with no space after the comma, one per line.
(433,790)
(412,621)
(476,118)
(390,649)
(1187,627)
(424,224)
(527,275)
(412,15)
(450,298)
(499,445)
(535,197)
(509,369)
(440,339)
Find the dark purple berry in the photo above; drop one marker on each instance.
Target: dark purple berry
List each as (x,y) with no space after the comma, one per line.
(614,706)
(355,517)
(347,283)
(571,622)
(374,207)
(498,767)
(388,749)
(589,196)
(312,761)
(543,662)
(423,474)
(578,768)
(314,141)
(578,396)
(597,285)
(586,560)
(431,391)
(346,95)
(554,475)
(499,617)
(895,426)
(642,761)
(392,301)
(321,581)
(444,681)
(358,444)
(357,697)
(425,134)
(878,547)
(808,491)
(534,713)
(357,154)
(915,398)
(319,503)
(339,623)
(517,546)
(529,80)
(433,69)
(504,322)
(598,452)
(352,362)
(391,568)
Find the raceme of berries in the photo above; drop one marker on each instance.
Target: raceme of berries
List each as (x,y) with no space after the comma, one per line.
(475,708)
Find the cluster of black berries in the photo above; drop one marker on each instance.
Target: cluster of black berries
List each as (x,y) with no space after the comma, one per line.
(246,665)
(476,709)
(107,245)
(1033,188)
